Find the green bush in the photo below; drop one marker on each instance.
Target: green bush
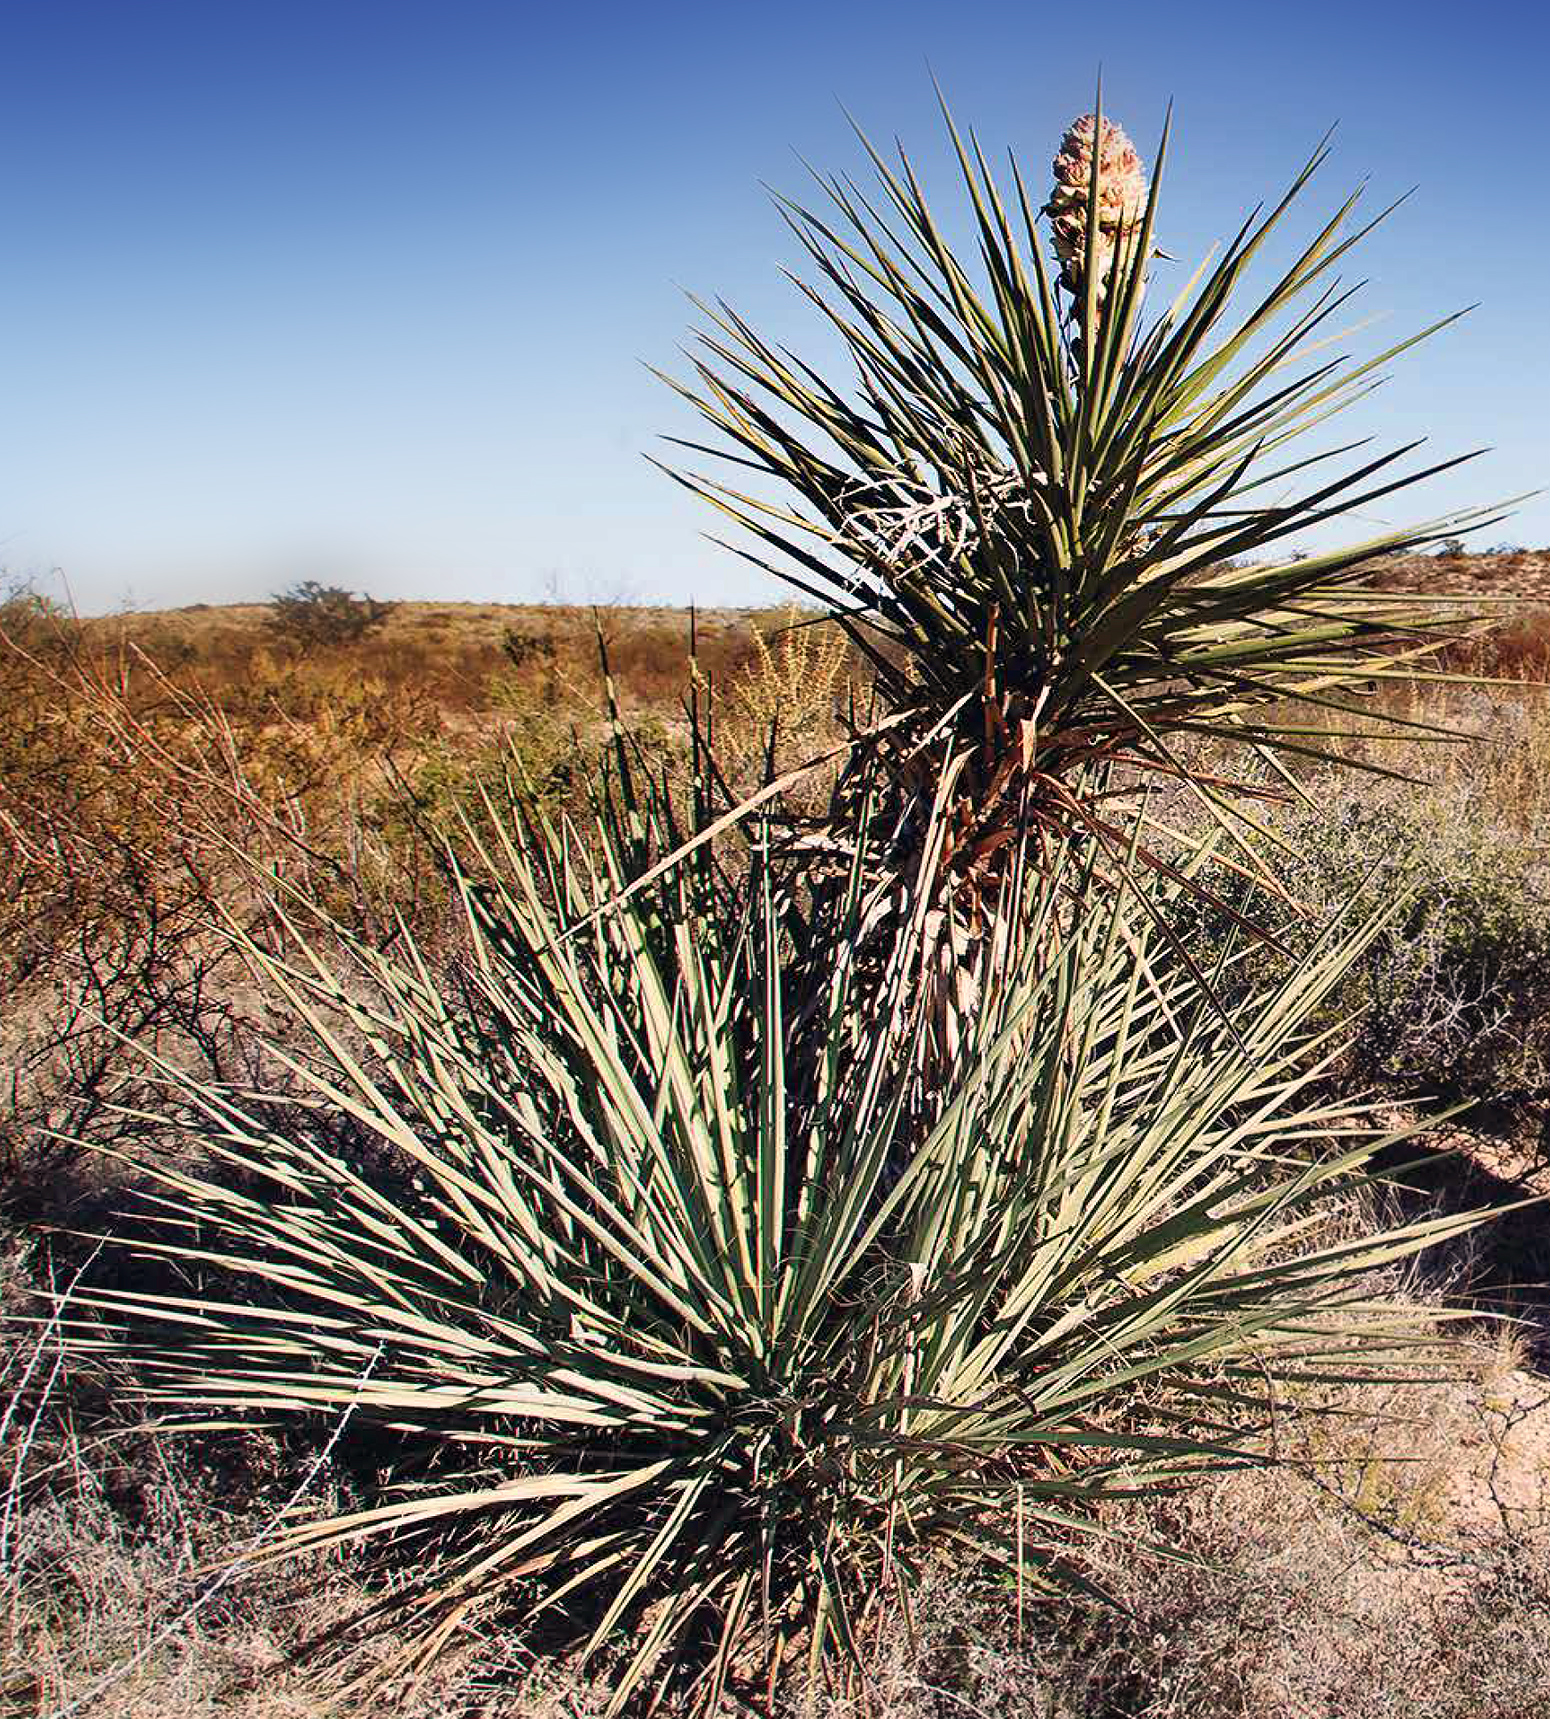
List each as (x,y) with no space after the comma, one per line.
(313,616)
(1452,998)
(1456,990)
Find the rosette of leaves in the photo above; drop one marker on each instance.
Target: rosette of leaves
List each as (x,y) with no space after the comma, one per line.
(1062,535)
(698,1359)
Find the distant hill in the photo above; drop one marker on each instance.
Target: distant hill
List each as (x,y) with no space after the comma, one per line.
(1517,573)
(451,654)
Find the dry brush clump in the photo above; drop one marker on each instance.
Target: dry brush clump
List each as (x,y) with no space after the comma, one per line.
(134,812)
(437,656)
(1456,997)
(155,769)
(1397,1549)
(797,699)
(313,616)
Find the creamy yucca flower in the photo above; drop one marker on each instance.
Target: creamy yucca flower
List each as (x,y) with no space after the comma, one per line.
(1121,198)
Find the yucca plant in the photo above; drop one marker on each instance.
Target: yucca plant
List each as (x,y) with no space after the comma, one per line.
(1060,532)
(702,1362)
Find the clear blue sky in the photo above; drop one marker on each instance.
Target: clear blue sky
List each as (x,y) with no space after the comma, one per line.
(362,291)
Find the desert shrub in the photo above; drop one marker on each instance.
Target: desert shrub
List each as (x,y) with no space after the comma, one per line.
(119,1596)
(1456,991)
(140,755)
(1298,1607)
(530,652)
(1453,997)
(1519,649)
(134,811)
(707,1342)
(313,616)
(787,704)
(535,676)
(30,618)
(1403,1547)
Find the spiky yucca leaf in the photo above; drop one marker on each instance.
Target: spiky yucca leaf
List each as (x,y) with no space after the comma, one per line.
(1040,541)
(706,1360)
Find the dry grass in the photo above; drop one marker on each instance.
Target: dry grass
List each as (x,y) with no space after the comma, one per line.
(149,763)
(786,706)
(119,1594)
(447,653)
(1376,1572)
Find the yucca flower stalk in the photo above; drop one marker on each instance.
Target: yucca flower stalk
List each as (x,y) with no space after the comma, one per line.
(1063,536)
(701,1360)
(1098,203)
